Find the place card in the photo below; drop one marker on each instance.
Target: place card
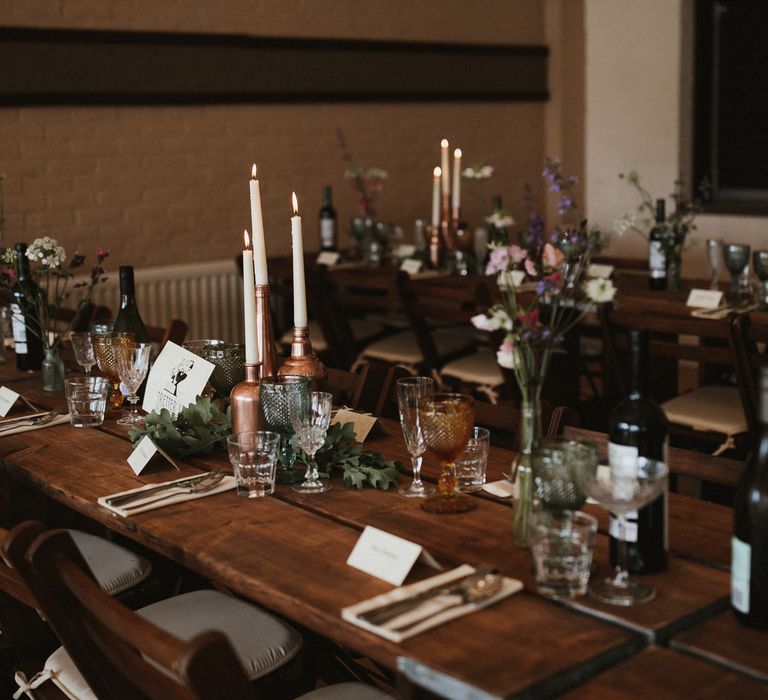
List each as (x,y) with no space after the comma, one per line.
(144,452)
(704,298)
(411,266)
(175,380)
(7,399)
(328,258)
(363,423)
(601,271)
(404,250)
(387,556)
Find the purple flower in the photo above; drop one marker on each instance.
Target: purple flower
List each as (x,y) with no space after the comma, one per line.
(566,203)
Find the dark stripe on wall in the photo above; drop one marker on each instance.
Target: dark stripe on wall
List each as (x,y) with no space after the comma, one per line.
(62,67)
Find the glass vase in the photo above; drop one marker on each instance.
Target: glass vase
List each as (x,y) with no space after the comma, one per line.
(53,370)
(530,432)
(674,263)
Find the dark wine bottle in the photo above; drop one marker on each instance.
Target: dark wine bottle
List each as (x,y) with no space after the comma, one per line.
(749,546)
(328,222)
(657,260)
(128,318)
(638,428)
(24,319)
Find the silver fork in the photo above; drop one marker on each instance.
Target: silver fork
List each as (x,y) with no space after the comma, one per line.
(208,484)
(127,498)
(13,423)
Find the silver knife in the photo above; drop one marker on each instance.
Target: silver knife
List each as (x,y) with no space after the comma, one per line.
(139,495)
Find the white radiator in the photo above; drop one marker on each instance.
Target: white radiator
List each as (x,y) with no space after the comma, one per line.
(207,296)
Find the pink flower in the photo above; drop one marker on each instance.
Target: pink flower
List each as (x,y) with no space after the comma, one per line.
(517,253)
(505,355)
(497,261)
(552,257)
(102,252)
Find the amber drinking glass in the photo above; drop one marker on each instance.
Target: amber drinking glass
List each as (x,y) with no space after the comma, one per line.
(104,347)
(446,423)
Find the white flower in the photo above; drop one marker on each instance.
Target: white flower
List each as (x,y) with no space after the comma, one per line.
(376,174)
(500,220)
(48,251)
(510,278)
(477,172)
(600,290)
(624,223)
(483,323)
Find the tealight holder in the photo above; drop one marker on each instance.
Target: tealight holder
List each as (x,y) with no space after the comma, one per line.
(264,335)
(303,361)
(244,400)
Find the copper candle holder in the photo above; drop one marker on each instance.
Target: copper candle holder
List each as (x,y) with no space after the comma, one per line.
(245,402)
(445,224)
(264,335)
(435,247)
(303,361)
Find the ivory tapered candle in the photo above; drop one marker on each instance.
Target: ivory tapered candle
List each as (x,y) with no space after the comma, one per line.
(445,167)
(299,286)
(257,227)
(436,196)
(249,303)
(456,190)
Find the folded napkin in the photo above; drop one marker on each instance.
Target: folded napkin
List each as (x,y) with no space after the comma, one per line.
(24,428)
(135,507)
(441,614)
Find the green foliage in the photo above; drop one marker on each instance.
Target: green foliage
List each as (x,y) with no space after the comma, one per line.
(359,466)
(199,428)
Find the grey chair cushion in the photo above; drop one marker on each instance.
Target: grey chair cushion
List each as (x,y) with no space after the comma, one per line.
(346,691)
(115,568)
(261,641)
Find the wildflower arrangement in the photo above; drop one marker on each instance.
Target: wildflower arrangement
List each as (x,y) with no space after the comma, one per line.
(47,265)
(680,222)
(556,297)
(367,183)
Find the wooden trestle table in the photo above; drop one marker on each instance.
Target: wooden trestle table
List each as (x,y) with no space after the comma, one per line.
(288,553)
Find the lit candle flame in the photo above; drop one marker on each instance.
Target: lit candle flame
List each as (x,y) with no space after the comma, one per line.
(437,172)
(444,143)
(253,172)
(457,153)
(246,239)
(295,203)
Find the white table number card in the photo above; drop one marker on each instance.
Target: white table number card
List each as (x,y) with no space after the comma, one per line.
(601,271)
(387,556)
(411,266)
(7,399)
(328,258)
(175,380)
(704,298)
(145,450)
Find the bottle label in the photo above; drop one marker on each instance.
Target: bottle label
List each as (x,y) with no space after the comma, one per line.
(741,563)
(630,527)
(657,261)
(19,330)
(623,460)
(328,233)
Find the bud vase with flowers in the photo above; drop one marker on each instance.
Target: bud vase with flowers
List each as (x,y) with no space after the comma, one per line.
(536,318)
(47,265)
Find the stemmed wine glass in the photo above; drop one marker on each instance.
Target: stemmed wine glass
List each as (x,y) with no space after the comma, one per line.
(82,346)
(310,418)
(555,462)
(626,486)
(446,423)
(132,366)
(105,346)
(275,394)
(760,266)
(409,391)
(736,258)
(715,261)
